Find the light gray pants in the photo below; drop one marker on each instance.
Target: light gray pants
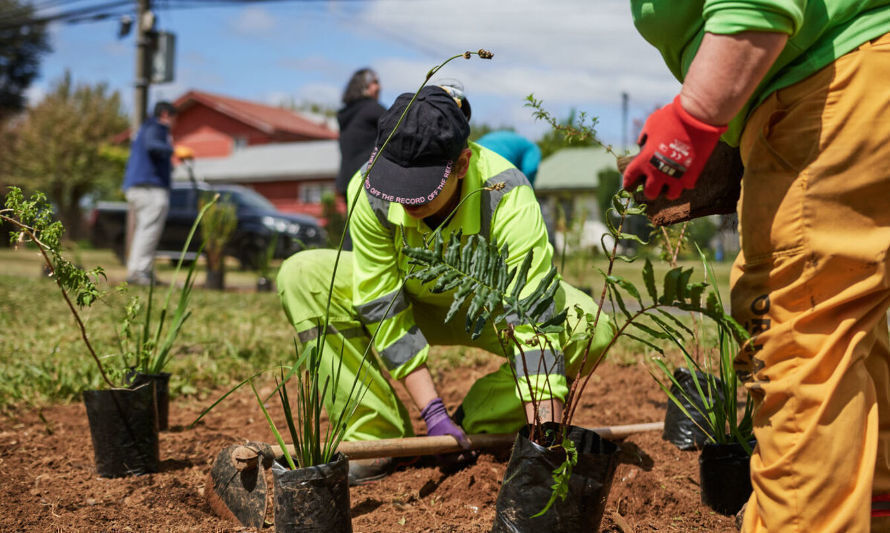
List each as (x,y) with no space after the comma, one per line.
(146,216)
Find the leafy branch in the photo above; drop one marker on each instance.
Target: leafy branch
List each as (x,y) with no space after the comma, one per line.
(583,131)
(33,220)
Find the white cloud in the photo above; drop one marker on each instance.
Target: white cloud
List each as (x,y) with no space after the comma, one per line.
(309,93)
(320,93)
(253,22)
(565,51)
(325,65)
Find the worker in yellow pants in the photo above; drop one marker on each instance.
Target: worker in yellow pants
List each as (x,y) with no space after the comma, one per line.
(812,283)
(802,89)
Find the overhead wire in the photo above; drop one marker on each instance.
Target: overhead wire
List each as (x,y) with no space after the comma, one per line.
(36,14)
(103,9)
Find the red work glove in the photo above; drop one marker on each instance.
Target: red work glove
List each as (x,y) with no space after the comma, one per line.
(674,147)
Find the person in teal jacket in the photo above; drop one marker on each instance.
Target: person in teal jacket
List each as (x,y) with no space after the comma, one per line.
(428,170)
(801,87)
(524,154)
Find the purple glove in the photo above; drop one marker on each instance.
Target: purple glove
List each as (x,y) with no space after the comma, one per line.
(439,423)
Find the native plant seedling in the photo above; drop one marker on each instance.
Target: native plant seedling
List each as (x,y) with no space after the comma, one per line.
(217,226)
(715,383)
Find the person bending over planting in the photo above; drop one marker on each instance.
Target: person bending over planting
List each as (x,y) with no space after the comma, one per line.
(426,171)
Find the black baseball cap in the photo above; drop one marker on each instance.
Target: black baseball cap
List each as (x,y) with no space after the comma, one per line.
(419,157)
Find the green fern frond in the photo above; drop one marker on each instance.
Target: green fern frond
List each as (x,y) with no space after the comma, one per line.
(478,274)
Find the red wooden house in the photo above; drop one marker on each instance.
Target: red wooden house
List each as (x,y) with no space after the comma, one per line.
(216,126)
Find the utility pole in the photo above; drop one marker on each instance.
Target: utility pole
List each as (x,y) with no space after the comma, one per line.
(624,104)
(144,24)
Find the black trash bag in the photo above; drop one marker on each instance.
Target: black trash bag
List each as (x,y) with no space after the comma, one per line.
(725,473)
(124,430)
(162,393)
(528,484)
(682,431)
(313,499)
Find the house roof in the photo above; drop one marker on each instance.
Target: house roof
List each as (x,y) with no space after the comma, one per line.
(573,169)
(269,119)
(269,162)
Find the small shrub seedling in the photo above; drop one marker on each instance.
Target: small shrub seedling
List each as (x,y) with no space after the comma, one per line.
(217,226)
(33,222)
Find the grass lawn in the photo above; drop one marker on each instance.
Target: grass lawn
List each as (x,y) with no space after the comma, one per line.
(229,336)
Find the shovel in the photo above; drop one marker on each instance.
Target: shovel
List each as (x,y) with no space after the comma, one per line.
(238,487)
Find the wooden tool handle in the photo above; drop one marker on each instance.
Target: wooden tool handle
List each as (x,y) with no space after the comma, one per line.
(413,446)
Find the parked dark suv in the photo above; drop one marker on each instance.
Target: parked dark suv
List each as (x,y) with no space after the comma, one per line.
(258,223)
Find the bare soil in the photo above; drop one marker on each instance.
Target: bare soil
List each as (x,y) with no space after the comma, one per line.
(50,483)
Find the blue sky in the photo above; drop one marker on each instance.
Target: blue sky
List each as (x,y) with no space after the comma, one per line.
(578,54)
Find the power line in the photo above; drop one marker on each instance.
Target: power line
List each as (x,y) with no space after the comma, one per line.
(104,10)
(30,15)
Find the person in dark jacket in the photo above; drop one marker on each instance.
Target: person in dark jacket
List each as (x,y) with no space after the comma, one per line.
(358,124)
(358,128)
(147,188)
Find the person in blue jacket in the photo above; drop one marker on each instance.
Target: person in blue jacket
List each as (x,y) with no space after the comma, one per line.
(523,153)
(147,188)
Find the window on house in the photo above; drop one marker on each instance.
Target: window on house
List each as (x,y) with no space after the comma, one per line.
(239,142)
(311,193)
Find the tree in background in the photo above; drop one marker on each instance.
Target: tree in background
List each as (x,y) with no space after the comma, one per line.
(20,51)
(555,139)
(62,147)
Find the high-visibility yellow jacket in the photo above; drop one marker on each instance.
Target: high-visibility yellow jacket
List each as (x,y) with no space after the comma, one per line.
(510,216)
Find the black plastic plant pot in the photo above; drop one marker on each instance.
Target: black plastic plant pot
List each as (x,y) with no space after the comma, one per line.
(124,430)
(264,284)
(314,499)
(528,481)
(683,431)
(162,393)
(725,473)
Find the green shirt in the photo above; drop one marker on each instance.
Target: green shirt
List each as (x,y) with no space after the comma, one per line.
(510,216)
(819,32)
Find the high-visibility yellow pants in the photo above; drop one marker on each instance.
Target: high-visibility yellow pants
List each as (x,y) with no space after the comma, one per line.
(492,404)
(812,284)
